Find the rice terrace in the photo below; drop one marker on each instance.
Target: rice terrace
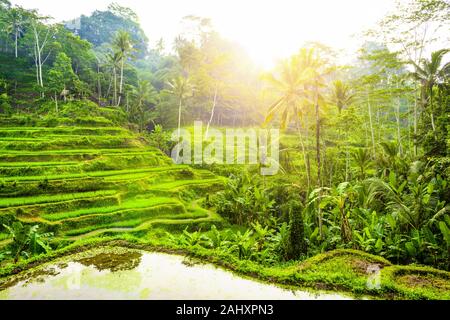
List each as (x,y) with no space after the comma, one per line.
(198,168)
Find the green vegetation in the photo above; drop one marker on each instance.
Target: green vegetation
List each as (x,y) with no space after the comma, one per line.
(363,186)
(16,202)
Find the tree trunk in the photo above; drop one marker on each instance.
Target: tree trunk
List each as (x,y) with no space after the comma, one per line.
(415,122)
(36,64)
(305,157)
(318,163)
(121,81)
(347,163)
(346,231)
(371,125)
(179,117)
(56,102)
(115,86)
(212,111)
(307,161)
(16,39)
(99,86)
(318,142)
(38,50)
(110,84)
(400,149)
(432,113)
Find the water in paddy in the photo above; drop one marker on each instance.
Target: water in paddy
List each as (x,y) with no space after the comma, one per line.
(119,273)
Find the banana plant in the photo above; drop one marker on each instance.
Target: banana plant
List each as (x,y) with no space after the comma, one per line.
(244,244)
(27,240)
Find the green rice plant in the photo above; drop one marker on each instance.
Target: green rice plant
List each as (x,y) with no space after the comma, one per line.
(183,183)
(108,218)
(37,164)
(50,143)
(97,174)
(14,202)
(129,204)
(60,131)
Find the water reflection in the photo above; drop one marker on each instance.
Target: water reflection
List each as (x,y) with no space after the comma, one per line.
(119,273)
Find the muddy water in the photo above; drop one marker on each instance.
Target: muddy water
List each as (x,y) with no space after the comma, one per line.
(119,273)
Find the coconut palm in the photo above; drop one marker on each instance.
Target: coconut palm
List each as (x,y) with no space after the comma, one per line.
(114,59)
(363,160)
(123,44)
(291,84)
(430,73)
(144,93)
(15,23)
(181,88)
(301,79)
(318,71)
(341,95)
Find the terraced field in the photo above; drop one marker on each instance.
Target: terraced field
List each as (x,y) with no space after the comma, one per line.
(80,180)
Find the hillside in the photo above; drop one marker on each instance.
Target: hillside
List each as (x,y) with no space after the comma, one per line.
(78,178)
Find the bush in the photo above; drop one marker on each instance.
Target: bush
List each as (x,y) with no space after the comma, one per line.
(297,246)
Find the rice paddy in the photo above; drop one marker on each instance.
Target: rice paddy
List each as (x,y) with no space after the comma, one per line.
(80,181)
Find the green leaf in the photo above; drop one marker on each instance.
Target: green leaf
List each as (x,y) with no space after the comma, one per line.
(402,186)
(445,232)
(410,248)
(314,234)
(392,179)
(430,188)
(379,245)
(426,199)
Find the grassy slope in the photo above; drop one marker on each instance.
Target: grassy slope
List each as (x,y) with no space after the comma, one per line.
(73,179)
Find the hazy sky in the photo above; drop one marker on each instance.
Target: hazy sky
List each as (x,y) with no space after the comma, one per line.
(267,29)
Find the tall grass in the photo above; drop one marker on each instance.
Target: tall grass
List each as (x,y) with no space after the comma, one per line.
(22,201)
(97,174)
(129,204)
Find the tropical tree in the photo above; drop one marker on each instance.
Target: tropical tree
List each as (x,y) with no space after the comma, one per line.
(61,76)
(144,93)
(430,73)
(27,240)
(181,88)
(113,60)
(341,95)
(124,45)
(318,70)
(42,39)
(16,19)
(362,160)
(290,83)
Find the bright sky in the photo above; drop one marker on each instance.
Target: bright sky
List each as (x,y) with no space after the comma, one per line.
(267,29)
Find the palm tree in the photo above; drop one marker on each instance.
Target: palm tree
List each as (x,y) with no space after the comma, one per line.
(291,85)
(181,88)
(430,73)
(15,21)
(318,71)
(363,160)
(123,44)
(341,95)
(114,59)
(144,93)
(300,83)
